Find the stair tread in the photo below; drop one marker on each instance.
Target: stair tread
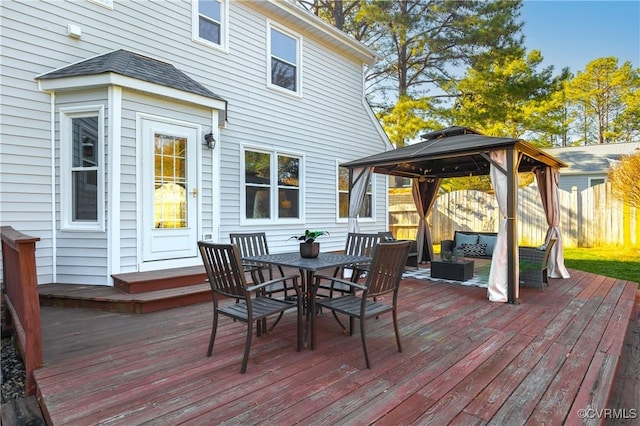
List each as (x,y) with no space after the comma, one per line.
(108,293)
(164,274)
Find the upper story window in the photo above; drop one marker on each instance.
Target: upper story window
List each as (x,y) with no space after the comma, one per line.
(81,168)
(284,57)
(210,18)
(366,211)
(271,186)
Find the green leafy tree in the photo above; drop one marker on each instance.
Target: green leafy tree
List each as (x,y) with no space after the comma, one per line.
(506,97)
(407,119)
(625,179)
(601,92)
(423,44)
(341,14)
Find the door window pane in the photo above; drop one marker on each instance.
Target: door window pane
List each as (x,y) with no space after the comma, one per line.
(170,180)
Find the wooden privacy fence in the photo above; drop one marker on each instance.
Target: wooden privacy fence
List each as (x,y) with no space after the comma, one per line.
(21,285)
(590,218)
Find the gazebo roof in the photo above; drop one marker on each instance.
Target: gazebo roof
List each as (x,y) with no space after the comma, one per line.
(453,152)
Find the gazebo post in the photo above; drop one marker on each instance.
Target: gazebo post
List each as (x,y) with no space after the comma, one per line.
(512,226)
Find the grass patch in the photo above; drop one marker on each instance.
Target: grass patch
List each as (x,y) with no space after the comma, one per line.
(615,262)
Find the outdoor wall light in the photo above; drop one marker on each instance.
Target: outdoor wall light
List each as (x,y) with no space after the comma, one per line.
(209,140)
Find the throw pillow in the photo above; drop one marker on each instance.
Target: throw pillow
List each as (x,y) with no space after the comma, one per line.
(475,250)
(490,241)
(465,239)
(543,247)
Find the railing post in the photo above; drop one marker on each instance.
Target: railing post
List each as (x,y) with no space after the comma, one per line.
(21,286)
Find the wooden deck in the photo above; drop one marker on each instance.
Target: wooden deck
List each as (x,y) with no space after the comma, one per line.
(465,361)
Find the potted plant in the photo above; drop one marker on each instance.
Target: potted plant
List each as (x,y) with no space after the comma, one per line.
(309,248)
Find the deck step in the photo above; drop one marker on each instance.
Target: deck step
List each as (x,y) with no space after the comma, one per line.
(112,299)
(141,282)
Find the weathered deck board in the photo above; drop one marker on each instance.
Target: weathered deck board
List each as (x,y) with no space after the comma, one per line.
(464,361)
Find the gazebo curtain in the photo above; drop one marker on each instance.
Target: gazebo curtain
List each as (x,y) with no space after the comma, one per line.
(358,182)
(498,275)
(547,180)
(424,195)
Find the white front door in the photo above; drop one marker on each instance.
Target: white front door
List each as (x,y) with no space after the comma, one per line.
(169,190)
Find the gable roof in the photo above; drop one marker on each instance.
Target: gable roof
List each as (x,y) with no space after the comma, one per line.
(134,65)
(590,159)
(453,152)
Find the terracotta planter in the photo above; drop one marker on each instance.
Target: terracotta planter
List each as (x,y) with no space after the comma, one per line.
(309,251)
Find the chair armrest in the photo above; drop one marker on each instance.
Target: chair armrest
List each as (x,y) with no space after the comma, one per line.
(293,278)
(337,280)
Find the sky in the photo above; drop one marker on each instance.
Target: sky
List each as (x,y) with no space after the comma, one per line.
(573,33)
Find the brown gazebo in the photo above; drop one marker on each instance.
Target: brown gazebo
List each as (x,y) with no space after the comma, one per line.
(458,152)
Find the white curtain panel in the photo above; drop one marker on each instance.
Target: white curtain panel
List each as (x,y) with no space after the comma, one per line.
(547,180)
(497,290)
(360,177)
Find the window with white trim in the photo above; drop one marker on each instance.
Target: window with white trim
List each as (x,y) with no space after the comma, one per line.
(284,60)
(81,168)
(366,211)
(596,181)
(271,185)
(209,23)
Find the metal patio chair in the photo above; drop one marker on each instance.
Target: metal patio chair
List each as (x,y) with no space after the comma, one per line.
(382,281)
(227,278)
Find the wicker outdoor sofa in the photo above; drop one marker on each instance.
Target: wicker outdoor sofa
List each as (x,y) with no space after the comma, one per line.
(533,260)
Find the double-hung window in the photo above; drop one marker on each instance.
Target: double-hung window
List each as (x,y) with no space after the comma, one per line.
(209,23)
(284,60)
(271,186)
(366,211)
(81,168)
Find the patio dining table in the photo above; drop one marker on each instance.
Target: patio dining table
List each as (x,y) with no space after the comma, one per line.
(308,268)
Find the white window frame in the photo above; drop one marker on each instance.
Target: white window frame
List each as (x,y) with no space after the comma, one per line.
(66,170)
(298,64)
(372,186)
(273,187)
(591,179)
(224,26)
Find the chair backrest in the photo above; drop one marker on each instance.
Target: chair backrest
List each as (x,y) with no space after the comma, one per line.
(224,269)
(361,244)
(250,244)
(547,252)
(386,268)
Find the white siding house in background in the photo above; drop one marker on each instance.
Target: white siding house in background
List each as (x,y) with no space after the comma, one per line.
(589,164)
(130,130)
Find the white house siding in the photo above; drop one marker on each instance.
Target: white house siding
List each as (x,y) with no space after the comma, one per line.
(328,122)
(580,182)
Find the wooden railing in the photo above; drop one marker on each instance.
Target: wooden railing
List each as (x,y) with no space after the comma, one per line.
(21,287)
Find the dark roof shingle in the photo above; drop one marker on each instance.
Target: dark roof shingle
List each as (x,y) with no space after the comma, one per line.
(136,66)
